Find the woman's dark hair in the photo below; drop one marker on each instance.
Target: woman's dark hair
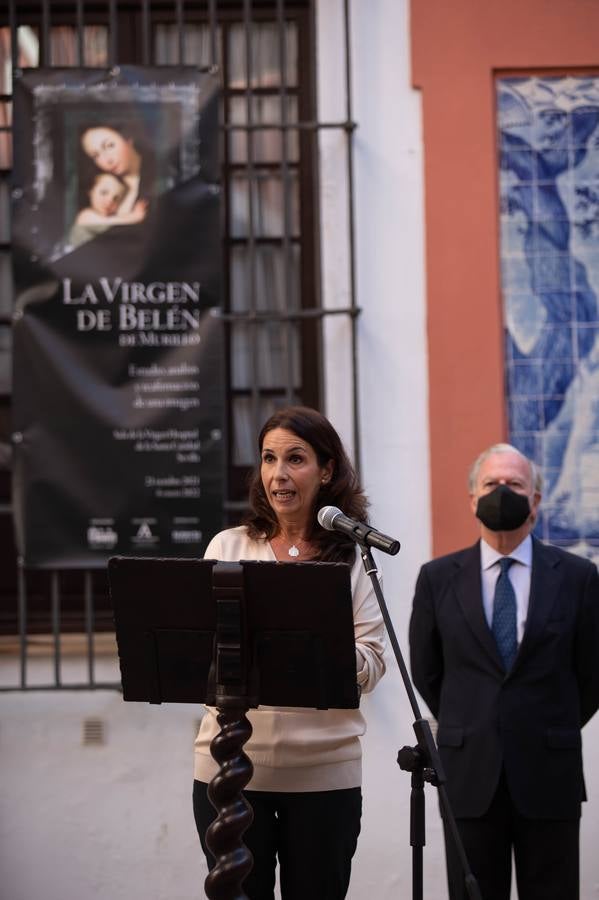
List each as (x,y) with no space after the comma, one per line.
(343,489)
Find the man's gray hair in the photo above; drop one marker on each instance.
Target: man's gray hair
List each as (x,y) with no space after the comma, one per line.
(535,473)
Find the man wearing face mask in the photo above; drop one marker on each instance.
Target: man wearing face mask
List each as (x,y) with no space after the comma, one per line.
(504,647)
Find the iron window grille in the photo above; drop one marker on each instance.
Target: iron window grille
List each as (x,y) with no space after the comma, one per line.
(272,310)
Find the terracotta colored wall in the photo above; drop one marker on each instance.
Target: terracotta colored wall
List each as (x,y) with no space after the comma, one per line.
(457,47)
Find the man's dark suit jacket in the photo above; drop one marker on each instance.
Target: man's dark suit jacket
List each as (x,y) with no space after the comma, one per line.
(529,720)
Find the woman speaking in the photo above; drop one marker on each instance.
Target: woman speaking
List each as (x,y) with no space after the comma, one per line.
(305,789)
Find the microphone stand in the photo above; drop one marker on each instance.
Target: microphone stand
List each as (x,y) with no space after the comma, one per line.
(422,760)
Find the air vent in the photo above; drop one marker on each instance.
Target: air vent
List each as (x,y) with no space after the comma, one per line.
(93,732)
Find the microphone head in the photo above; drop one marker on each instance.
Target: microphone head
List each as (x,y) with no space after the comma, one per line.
(327,515)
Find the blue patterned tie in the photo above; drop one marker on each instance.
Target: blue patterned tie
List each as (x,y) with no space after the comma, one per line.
(503,624)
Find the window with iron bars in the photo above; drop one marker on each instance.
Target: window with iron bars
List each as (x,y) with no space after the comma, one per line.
(265,54)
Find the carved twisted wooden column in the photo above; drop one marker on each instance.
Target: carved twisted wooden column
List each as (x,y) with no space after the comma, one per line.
(231,698)
(235,815)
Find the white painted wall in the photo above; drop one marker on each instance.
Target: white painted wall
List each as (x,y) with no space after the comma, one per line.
(110,822)
(392,361)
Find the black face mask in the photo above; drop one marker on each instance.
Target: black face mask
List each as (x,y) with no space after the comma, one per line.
(503,509)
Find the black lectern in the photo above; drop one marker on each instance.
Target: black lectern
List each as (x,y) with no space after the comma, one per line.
(234,636)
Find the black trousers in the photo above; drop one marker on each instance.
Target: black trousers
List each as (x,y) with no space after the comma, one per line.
(313,835)
(546,854)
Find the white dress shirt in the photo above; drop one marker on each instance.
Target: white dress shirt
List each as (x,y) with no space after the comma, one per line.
(518,573)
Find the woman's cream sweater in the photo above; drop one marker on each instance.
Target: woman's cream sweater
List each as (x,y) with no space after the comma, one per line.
(295,749)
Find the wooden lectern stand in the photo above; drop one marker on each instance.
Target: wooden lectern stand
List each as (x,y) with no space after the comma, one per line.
(234,636)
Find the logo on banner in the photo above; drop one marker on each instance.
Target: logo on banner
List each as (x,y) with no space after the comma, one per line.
(186,536)
(144,534)
(101,536)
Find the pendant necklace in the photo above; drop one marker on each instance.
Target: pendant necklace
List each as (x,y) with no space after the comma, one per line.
(297,548)
(294,550)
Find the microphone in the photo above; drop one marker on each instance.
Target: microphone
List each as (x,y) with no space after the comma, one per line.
(332,519)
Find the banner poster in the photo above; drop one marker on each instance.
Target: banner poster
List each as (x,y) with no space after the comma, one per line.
(118,353)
